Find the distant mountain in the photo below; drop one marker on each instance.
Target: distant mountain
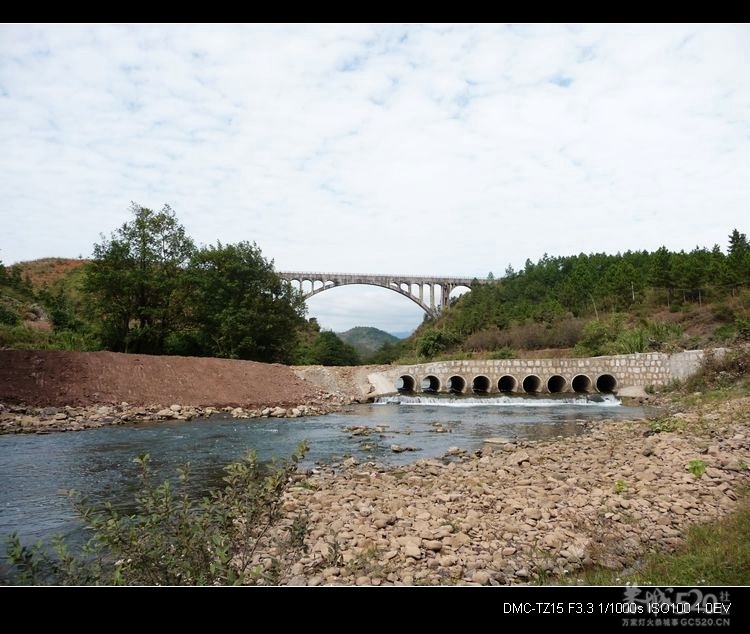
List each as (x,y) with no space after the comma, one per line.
(402,335)
(366,340)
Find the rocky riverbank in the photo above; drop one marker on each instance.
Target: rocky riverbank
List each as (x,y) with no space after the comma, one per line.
(515,513)
(525,512)
(24,419)
(518,513)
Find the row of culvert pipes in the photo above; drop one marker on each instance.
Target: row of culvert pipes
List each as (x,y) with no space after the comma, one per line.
(531,384)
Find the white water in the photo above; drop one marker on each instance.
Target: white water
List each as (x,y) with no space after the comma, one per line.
(603,400)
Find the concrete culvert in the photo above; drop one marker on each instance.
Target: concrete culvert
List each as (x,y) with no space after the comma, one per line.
(405,383)
(556,384)
(480,385)
(532,383)
(507,383)
(581,383)
(606,383)
(430,384)
(456,384)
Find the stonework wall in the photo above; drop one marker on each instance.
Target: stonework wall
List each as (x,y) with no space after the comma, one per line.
(594,374)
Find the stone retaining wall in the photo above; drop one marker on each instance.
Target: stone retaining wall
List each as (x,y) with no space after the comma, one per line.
(593,374)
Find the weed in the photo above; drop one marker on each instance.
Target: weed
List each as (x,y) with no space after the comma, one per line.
(661,425)
(697,468)
(620,486)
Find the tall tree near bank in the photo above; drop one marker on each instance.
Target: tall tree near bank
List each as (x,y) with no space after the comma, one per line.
(239,307)
(134,279)
(738,259)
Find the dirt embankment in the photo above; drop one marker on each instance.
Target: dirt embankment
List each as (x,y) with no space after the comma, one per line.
(53,378)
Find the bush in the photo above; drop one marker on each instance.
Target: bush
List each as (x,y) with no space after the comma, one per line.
(486,339)
(502,353)
(719,371)
(433,342)
(743,329)
(8,316)
(234,535)
(724,333)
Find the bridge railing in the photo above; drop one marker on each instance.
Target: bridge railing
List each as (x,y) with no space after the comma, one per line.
(380,276)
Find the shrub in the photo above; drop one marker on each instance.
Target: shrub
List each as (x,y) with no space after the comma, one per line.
(720,370)
(234,535)
(743,329)
(8,316)
(487,339)
(502,353)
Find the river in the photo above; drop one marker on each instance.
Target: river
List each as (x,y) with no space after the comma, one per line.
(35,470)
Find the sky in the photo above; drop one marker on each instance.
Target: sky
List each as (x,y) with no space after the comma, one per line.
(418,149)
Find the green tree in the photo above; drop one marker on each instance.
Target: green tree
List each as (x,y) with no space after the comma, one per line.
(134,278)
(329,349)
(660,272)
(240,308)
(738,259)
(621,282)
(433,342)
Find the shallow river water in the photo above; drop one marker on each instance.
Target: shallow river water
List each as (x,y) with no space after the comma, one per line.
(35,470)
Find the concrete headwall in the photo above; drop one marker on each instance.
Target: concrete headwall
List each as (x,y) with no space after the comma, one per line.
(594,374)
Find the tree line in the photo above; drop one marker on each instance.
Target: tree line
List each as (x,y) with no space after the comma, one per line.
(558,296)
(149,289)
(585,284)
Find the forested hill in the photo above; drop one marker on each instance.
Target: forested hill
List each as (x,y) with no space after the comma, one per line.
(602,304)
(366,340)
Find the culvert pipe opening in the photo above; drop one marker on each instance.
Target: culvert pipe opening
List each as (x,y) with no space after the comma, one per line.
(606,383)
(556,384)
(430,384)
(456,384)
(507,383)
(480,385)
(405,383)
(532,384)
(581,383)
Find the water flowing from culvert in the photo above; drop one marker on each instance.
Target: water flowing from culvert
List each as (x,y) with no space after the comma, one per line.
(547,401)
(36,469)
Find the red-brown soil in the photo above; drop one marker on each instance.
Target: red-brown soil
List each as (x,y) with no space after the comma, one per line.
(52,378)
(47,271)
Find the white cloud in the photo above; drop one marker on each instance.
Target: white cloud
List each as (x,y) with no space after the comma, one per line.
(421,149)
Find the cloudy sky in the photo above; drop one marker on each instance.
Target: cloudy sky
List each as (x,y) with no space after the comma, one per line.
(430,150)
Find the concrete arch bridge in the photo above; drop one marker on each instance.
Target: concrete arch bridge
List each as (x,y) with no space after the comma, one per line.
(430,293)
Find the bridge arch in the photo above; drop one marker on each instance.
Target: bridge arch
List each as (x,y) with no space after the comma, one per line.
(431,294)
